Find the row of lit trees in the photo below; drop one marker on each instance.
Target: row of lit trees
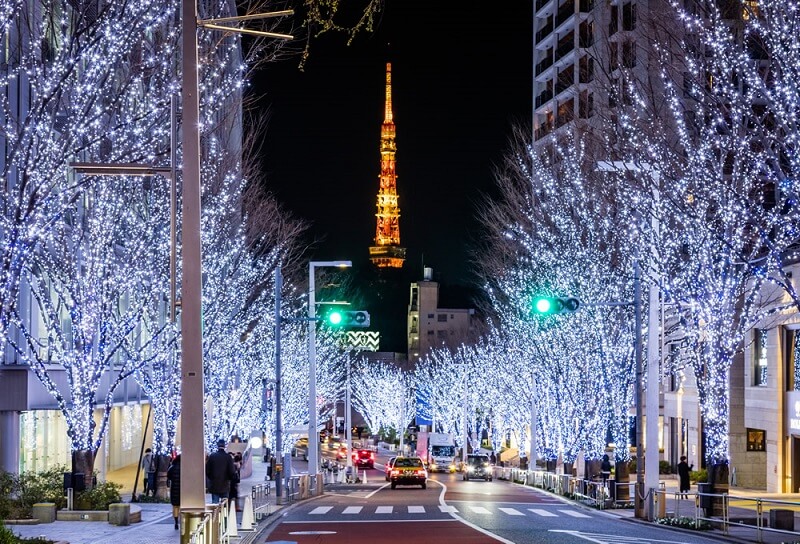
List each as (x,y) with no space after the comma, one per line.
(84,260)
(703,193)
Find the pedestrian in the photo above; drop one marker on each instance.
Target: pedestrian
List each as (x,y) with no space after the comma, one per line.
(492,458)
(219,473)
(684,469)
(234,494)
(605,469)
(149,466)
(174,483)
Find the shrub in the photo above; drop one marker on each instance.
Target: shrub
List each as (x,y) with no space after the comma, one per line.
(99,497)
(28,488)
(699,476)
(7,536)
(664,467)
(685,522)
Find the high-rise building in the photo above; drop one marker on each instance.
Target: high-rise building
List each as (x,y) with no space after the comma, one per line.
(387,253)
(430,326)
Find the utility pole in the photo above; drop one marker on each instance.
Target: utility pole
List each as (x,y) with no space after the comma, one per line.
(278,371)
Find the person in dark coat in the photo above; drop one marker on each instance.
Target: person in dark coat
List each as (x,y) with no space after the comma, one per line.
(605,469)
(684,469)
(219,473)
(174,483)
(234,494)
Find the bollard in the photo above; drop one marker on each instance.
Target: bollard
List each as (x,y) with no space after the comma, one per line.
(365,476)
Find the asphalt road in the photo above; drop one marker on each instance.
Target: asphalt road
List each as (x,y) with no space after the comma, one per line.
(453,511)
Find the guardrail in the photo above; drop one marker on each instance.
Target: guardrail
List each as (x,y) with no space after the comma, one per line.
(770,515)
(213,529)
(260,495)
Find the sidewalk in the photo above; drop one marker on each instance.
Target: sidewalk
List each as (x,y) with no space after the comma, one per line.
(156,526)
(742,514)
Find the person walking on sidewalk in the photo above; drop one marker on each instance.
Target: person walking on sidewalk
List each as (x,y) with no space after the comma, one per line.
(684,469)
(234,494)
(149,466)
(174,482)
(219,473)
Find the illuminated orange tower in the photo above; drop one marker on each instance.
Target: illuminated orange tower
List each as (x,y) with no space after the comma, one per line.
(387,253)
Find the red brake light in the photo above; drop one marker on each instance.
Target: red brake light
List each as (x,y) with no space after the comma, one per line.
(372,456)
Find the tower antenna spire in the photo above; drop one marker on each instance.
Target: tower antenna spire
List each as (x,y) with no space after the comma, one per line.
(387,253)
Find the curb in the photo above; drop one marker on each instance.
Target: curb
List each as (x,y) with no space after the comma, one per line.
(276,517)
(712,534)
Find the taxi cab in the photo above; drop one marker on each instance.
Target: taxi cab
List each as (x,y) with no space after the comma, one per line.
(408,471)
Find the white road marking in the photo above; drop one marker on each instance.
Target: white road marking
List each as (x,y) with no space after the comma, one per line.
(511,511)
(321,510)
(479,510)
(352,510)
(384,509)
(574,514)
(416,509)
(447,509)
(543,513)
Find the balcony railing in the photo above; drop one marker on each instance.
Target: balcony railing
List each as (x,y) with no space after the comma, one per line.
(543,131)
(540,4)
(564,49)
(546,63)
(543,97)
(544,31)
(586,6)
(566,11)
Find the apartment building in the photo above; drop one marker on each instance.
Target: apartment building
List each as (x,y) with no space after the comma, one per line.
(430,326)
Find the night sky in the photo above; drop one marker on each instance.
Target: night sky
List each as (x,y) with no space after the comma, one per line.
(461,74)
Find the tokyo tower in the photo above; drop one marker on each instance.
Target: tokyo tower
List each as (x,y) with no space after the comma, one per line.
(387,253)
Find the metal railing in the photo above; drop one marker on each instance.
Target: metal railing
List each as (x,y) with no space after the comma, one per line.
(260,496)
(213,529)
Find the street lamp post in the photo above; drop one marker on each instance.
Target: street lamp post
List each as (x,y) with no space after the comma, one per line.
(313,435)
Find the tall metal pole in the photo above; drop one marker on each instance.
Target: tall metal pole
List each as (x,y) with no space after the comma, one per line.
(193,462)
(653,362)
(278,372)
(464,418)
(637,307)
(313,437)
(348,422)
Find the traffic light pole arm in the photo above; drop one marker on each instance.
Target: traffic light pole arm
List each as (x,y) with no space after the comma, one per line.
(608,304)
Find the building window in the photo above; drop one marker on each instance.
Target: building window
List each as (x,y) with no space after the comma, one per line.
(629,17)
(791,346)
(756,440)
(430,333)
(430,316)
(629,54)
(442,335)
(442,318)
(760,357)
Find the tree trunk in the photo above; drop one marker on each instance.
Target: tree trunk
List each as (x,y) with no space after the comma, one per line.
(622,476)
(83,463)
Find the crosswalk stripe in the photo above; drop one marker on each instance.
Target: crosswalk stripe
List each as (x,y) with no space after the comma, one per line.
(511,511)
(447,509)
(384,509)
(574,514)
(321,510)
(352,510)
(543,513)
(479,510)
(416,509)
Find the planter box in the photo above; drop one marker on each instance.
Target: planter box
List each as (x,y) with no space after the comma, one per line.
(45,512)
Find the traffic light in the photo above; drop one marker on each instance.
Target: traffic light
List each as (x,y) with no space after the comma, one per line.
(555,305)
(350,318)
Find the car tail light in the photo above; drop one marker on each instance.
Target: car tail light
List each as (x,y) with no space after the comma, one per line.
(372,456)
(421,472)
(395,472)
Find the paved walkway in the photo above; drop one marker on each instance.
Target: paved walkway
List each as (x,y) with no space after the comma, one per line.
(156,526)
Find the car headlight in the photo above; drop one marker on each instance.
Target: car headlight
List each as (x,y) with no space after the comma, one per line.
(470,469)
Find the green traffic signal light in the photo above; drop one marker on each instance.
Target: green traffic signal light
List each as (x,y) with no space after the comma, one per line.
(335,318)
(543,305)
(555,305)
